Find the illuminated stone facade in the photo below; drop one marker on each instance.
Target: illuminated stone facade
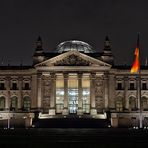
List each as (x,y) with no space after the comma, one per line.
(73,79)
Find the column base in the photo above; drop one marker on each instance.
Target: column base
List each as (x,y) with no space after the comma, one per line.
(51,112)
(65,111)
(114,120)
(93,112)
(28,122)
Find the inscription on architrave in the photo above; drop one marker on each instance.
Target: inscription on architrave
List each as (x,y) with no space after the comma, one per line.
(99,93)
(72,60)
(46,93)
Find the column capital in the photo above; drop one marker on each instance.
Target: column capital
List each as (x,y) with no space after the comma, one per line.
(106,73)
(112,76)
(105,77)
(138,77)
(53,76)
(8,78)
(93,75)
(39,75)
(20,78)
(80,75)
(125,78)
(65,75)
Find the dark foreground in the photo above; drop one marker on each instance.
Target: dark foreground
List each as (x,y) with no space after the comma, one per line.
(74,138)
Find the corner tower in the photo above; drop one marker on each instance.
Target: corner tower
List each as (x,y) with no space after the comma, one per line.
(107,55)
(38,55)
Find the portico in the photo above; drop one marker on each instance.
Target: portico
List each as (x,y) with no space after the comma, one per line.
(73,78)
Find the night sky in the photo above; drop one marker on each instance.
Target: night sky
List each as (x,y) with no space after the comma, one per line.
(22,21)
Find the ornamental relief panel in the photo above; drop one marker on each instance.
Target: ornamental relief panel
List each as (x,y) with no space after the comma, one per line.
(99,93)
(46,92)
(3,93)
(119,93)
(26,93)
(144,93)
(72,60)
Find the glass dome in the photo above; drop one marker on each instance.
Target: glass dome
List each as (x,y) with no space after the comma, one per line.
(74,45)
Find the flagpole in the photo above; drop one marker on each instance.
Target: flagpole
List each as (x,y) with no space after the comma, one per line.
(136,69)
(140,103)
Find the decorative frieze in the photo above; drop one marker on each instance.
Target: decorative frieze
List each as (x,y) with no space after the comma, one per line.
(46,92)
(72,60)
(99,93)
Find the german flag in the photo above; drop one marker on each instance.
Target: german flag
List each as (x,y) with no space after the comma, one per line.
(136,64)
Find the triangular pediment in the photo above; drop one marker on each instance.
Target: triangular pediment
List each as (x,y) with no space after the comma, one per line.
(73,58)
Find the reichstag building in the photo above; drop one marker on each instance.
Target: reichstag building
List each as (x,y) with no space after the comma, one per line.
(73,80)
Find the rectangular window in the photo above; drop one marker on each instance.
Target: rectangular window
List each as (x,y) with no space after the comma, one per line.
(27,103)
(14,86)
(73,93)
(119,86)
(86,94)
(59,94)
(27,86)
(132,86)
(2,86)
(144,86)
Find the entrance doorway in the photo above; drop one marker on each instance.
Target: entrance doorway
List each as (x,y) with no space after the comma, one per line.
(73,100)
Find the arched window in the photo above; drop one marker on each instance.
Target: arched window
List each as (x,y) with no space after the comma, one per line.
(26,103)
(2,103)
(144,103)
(132,103)
(119,104)
(14,103)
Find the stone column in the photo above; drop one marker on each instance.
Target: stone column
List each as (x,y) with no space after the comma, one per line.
(53,94)
(92,94)
(106,92)
(8,101)
(34,95)
(39,99)
(20,98)
(126,101)
(80,109)
(112,96)
(65,110)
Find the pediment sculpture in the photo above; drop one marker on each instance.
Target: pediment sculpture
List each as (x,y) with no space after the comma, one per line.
(72,60)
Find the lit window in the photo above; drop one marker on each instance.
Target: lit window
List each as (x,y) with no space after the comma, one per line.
(73,93)
(26,103)
(86,94)
(59,94)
